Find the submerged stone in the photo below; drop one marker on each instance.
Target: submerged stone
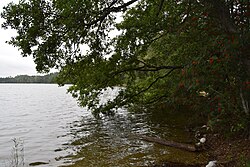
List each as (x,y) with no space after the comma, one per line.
(38,163)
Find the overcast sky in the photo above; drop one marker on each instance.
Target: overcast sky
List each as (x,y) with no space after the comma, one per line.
(11,61)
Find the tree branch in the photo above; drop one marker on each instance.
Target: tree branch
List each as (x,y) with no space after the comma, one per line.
(109,10)
(147,68)
(160,7)
(157,99)
(156,80)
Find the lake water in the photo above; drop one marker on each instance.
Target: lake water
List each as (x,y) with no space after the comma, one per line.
(51,128)
(37,115)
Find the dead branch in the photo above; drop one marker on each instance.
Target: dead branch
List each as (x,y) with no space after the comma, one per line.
(183,146)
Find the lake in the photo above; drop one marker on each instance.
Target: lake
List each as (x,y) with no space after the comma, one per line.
(49,127)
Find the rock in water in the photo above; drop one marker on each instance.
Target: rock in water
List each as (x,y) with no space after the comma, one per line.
(203,140)
(211,164)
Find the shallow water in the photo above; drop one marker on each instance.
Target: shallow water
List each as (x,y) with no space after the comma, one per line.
(54,130)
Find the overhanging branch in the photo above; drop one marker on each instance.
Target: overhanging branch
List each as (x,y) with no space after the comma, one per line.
(146,68)
(154,82)
(109,10)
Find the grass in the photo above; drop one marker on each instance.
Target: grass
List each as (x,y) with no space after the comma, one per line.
(17,154)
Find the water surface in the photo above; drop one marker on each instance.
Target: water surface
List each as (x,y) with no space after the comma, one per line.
(39,115)
(53,129)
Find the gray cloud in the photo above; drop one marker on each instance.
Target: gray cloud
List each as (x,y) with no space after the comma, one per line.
(11,61)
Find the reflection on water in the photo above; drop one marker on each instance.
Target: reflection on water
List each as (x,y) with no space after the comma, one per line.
(110,140)
(56,131)
(115,141)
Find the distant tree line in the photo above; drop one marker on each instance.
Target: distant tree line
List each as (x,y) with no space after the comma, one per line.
(50,78)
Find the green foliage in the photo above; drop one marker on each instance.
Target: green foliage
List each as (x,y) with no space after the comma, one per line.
(165,52)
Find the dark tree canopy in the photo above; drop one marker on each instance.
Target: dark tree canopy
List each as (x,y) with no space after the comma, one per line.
(165,50)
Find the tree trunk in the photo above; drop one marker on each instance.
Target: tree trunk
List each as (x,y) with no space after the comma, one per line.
(221,12)
(183,146)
